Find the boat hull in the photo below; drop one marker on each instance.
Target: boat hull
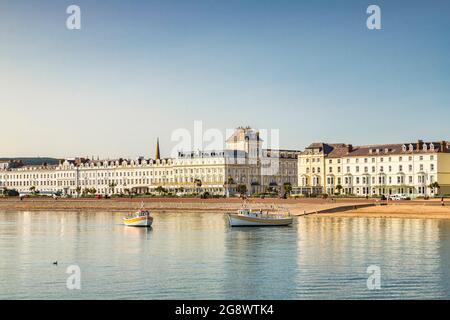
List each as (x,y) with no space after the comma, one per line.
(138,222)
(244,221)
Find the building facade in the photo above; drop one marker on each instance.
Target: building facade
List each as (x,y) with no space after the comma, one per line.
(243,162)
(410,168)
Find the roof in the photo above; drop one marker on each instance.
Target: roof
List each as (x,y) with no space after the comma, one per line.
(342,150)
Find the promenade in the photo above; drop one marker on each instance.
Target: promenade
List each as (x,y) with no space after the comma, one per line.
(349,207)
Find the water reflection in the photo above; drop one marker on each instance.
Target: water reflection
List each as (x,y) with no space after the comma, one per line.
(406,250)
(197,256)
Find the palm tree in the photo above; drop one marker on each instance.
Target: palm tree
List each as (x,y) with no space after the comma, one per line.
(160,189)
(287,187)
(112,185)
(228,182)
(242,189)
(78,191)
(435,186)
(198,184)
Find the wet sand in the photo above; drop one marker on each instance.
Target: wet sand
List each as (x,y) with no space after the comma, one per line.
(294,206)
(412,211)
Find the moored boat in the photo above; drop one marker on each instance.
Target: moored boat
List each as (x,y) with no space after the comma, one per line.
(247,218)
(141,218)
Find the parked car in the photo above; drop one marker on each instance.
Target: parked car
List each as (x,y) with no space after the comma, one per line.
(398,197)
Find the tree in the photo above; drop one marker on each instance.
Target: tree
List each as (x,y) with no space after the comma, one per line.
(112,185)
(198,184)
(228,183)
(33,189)
(435,186)
(339,188)
(287,187)
(160,189)
(242,189)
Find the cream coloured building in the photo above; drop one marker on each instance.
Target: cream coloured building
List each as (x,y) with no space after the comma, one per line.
(243,162)
(408,168)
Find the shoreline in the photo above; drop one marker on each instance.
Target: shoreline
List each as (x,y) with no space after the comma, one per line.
(346,207)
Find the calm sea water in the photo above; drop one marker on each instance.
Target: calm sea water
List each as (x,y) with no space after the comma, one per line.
(197,256)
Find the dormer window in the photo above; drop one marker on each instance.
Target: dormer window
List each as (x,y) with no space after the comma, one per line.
(424,147)
(431,147)
(386,150)
(411,147)
(404,148)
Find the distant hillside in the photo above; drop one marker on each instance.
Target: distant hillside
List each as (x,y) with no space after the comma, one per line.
(33,161)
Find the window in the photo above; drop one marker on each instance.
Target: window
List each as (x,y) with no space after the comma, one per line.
(432,167)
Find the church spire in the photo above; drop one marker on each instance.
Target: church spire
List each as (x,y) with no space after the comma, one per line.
(157,156)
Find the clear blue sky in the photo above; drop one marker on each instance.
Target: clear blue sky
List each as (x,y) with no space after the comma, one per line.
(141,69)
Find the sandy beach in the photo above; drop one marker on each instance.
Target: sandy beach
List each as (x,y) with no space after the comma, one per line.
(294,206)
(412,211)
(308,206)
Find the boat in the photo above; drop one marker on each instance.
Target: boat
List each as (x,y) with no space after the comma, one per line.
(248,218)
(141,218)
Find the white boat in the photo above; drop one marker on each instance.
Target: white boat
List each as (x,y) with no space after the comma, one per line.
(141,218)
(247,218)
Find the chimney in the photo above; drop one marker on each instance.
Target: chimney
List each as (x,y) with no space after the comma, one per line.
(349,148)
(443,146)
(419,144)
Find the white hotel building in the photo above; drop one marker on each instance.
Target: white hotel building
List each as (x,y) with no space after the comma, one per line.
(408,168)
(243,162)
